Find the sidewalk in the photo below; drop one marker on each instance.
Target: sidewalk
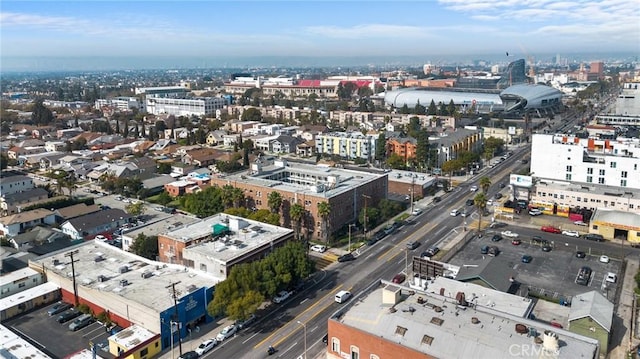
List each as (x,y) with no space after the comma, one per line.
(621,330)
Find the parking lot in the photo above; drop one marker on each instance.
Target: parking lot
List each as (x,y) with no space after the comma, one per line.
(54,338)
(555,271)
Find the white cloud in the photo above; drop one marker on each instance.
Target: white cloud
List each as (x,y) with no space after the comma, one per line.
(368,31)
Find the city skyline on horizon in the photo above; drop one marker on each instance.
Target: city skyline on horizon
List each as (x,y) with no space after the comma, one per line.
(44,36)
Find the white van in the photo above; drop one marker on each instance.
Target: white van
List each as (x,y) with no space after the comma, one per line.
(342,296)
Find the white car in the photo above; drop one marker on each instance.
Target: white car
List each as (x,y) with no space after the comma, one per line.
(604,259)
(227,332)
(580,223)
(206,346)
(510,234)
(571,233)
(281,297)
(611,277)
(454,212)
(473,188)
(100,237)
(535,212)
(318,248)
(416,211)
(490,202)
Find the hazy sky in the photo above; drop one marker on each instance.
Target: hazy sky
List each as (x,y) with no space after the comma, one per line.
(431,28)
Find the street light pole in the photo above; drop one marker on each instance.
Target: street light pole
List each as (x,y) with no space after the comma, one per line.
(349,248)
(305,338)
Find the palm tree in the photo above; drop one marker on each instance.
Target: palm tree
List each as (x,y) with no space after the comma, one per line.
(227,195)
(237,196)
(274,201)
(70,183)
(324,210)
(297,213)
(480,201)
(485,183)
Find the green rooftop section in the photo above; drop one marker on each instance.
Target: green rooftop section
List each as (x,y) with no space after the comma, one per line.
(219,229)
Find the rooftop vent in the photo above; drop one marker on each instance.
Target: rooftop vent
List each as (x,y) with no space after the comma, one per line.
(147,274)
(124,283)
(102,278)
(437,321)
(98,258)
(427,340)
(401,330)
(124,269)
(56,262)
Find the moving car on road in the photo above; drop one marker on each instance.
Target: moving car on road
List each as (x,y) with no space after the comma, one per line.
(510,234)
(346,257)
(281,297)
(571,233)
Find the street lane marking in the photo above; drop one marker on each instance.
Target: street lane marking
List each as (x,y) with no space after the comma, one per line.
(291,347)
(244,342)
(333,292)
(305,299)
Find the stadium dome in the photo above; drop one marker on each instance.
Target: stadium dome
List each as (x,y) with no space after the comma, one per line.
(526,97)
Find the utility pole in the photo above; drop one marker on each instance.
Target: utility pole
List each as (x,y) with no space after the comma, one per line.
(174,294)
(365,214)
(349,248)
(73,274)
(413,182)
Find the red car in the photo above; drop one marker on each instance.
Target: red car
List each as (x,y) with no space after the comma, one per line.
(399,278)
(550,229)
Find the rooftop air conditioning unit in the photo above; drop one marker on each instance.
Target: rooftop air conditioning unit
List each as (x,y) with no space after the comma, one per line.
(101,278)
(147,274)
(124,269)
(56,262)
(124,283)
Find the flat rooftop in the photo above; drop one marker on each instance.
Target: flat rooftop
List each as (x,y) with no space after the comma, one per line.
(438,326)
(17,275)
(131,337)
(621,192)
(146,280)
(27,295)
(408,177)
(13,346)
(304,179)
(244,237)
(164,225)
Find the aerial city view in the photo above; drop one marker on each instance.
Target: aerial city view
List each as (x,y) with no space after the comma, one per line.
(305,180)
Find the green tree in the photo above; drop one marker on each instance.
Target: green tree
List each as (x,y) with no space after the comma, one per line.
(145,246)
(135,209)
(396,161)
(251,114)
(164,198)
(274,201)
(422,149)
(480,201)
(485,183)
(125,131)
(164,168)
(451,166)
(324,212)
(419,109)
(4,160)
(297,213)
(451,108)
(405,109)
(414,126)
(41,115)
(381,147)
(432,110)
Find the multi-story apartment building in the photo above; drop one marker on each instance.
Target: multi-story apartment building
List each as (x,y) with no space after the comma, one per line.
(448,145)
(350,145)
(11,182)
(200,106)
(614,163)
(121,103)
(162,91)
(404,147)
(346,192)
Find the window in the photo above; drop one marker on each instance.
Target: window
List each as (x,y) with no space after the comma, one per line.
(144,352)
(623,183)
(601,172)
(23,284)
(355,352)
(427,340)
(569,168)
(373,356)
(613,165)
(589,171)
(623,174)
(589,179)
(335,345)
(601,180)
(568,177)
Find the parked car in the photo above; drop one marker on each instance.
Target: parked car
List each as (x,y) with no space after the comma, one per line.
(241,324)
(189,355)
(611,277)
(399,278)
(493,251)
(416,211)
(325,339)
(496,238)
(58,308)
(546,248)
(502,185)
(430,252)
(346,257)
(510,234)
(551,229)
(516,242)
(584,274)
(527,258)
(206,346)
(571,233)
(436,199)
(469,202)
(318,248)
(484,249)
(535,212)
(281,297)
(580,223)
(68,315)
(604,259)
(81,322)
(497,195)
(580,254)
(594,237)
(226,333)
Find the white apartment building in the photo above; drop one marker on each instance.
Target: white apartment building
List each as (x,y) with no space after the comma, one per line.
(199,106)
(19,280)
(626,111)
(121,103)
(349,145)
(614,163)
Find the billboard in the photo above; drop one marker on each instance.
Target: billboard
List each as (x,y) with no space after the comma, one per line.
(521,181)
(512,130)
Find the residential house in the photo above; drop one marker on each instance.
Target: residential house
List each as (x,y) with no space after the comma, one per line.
(90,225)
(69,133)
(35,237)
(179,169)
(201,157)
(231,139)
(13,182)
(215,138)
(76,210)
(18,281)
(591,315)
(160,145)
(15,152)
(309,132)
(55,146)
(13,202)
(17,223)
(306,149)
(155,185)
(50,160)
(285,144)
